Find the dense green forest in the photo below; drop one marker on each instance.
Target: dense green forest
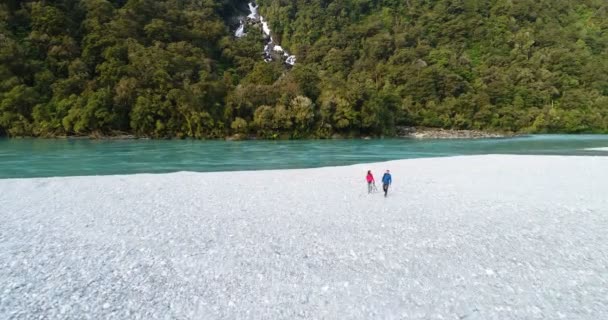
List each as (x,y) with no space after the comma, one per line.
(172,68)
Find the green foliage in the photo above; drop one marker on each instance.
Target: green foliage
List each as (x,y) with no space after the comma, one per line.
(239,125)
(295,120)
(173,69)
(496,65)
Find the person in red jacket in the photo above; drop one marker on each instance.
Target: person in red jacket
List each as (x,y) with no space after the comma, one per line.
(371,183)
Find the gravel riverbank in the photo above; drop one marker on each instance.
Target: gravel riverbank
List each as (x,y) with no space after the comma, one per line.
(480,237)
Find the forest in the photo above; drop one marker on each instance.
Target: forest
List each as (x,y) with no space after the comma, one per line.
(174,69)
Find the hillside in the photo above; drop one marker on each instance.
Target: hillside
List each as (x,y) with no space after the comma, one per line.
(174,68)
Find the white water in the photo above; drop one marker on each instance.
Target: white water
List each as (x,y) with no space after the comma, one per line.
(240,32)
(265,27)
(291,60)
(270,45)
(254,11)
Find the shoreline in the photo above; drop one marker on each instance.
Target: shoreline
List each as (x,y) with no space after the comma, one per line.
(422,133)
(386,164)
(402,132)
(425,133)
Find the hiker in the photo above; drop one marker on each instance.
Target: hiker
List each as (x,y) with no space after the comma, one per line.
(386,181)
(371,183)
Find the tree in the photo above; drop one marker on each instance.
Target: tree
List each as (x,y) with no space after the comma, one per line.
(239,125)
(171,68)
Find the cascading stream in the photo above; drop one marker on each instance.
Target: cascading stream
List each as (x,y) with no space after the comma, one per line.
(240,31)
(271,48)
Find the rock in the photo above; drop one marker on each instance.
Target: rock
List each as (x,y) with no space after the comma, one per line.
(236,137)
(437,133)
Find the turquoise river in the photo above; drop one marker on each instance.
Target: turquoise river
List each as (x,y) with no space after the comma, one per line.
(25,158)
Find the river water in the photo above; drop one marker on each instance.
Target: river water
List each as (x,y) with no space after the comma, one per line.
(23,158)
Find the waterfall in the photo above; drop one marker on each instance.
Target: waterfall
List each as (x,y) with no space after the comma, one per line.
(270,46)
(253,11)
(265,27)
(241,30)
(291,60)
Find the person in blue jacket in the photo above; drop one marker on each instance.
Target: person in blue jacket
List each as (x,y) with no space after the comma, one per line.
(386,181)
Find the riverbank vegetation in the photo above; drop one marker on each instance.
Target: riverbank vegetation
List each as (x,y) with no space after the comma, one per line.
(174,69)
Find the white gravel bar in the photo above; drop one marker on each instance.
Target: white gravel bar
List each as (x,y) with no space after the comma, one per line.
(480,237)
